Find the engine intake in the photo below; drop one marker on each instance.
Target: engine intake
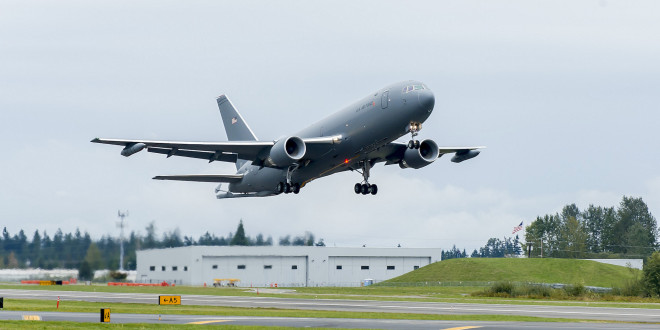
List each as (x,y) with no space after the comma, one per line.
(417,158)
(287,151)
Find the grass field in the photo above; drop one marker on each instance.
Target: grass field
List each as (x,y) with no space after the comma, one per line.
(83,325)
(547,270)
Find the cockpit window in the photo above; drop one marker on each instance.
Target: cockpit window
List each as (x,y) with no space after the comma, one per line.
(411,88)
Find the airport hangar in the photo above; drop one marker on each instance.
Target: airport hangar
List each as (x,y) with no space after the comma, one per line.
(284,266)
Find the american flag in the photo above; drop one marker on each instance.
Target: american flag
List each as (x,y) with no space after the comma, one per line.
(517,228)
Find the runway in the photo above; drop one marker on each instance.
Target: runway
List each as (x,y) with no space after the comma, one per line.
(317,322)
(575,312)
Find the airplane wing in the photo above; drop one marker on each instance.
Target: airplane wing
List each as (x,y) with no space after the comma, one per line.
(392,153)
(229,151)
(243,149)
(229,178)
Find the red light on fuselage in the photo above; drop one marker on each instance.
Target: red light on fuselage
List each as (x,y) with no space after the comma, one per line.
(346,161)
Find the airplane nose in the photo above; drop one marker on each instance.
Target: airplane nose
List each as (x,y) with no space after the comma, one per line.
(426,100)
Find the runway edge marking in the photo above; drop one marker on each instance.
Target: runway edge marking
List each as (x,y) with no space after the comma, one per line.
(208,322)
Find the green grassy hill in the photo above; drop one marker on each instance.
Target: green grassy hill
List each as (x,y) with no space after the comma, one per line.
(567,271)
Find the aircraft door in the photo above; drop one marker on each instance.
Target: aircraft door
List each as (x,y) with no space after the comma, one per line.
(385,99)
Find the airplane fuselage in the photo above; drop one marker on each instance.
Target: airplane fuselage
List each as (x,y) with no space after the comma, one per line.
(364,126)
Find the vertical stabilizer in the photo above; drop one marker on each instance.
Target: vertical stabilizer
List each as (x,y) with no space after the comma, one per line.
(235,126)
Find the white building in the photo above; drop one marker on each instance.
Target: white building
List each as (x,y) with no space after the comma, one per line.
(286,266)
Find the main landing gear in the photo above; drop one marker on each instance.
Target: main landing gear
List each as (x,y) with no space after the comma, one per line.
(288,187)
(414,129)
(285,187)
(365,187)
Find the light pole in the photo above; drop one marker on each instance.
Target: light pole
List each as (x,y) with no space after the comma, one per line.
(121,238)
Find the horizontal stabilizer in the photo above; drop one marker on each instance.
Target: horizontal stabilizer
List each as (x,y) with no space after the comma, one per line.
(229,178)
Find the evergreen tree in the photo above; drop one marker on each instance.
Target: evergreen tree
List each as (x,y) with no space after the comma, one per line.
(85,272)
(93,258)
(453,253)
(35,250)
(240,238)
(150,240)
(12,262)
(594,218)
(634,211)
(260,240)
(573,238)
(652,275)
(172,239)
(285,241)
(21,247)
(298,241)
(309,239)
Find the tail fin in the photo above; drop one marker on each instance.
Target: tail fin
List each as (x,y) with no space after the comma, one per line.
(235,126)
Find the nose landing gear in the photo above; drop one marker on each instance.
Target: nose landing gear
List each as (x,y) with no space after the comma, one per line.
(365,187)
(414,129)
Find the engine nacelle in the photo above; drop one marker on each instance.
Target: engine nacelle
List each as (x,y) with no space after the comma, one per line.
(287,151)
(417,158)
(464,155)
(132,148)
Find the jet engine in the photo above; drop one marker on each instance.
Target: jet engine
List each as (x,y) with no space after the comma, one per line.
(417,158)
(287,151)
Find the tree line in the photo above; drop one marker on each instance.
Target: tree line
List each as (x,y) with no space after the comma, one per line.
(626,231)
(71,250)
(494,248)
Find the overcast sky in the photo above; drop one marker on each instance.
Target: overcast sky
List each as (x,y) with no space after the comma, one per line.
(565,95)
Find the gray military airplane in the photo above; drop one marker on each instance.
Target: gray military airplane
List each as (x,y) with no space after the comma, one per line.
(354,138)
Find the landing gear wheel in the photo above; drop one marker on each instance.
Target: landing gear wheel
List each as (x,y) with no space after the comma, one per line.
(287,188)
(373,189)
(365,189)
(295,188)
(280,187)
(411,144)
(357,188)
(416,143)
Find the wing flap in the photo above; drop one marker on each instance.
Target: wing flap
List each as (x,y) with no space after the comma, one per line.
(210,156)
(228,178)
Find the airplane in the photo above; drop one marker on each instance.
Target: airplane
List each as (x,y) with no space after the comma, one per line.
(354,138)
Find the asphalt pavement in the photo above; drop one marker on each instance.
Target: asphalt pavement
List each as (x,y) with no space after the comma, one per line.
(550,311)
(314,322)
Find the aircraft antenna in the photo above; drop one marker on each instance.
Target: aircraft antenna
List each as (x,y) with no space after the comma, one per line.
(121,226)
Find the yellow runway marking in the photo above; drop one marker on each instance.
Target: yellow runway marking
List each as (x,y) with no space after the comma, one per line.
(209,321)
(31,318)
(463,328)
